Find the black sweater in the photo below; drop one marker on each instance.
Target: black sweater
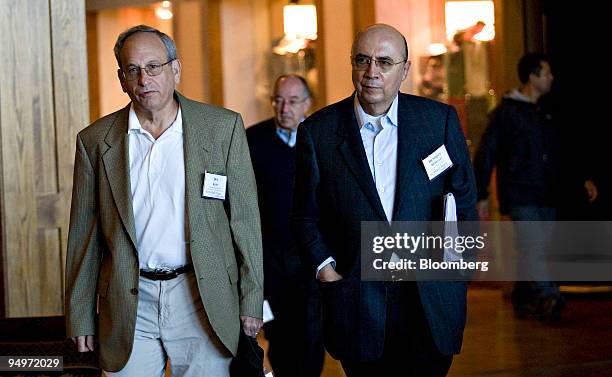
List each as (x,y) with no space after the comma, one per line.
(274,166)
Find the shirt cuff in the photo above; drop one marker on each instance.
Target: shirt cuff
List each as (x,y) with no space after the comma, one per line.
(325,263)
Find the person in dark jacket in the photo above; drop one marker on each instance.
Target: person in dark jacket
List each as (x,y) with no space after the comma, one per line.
(362,159)
(519,141)
(294,335)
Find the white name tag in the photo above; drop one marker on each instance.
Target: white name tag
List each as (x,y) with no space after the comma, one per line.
(437,162)
(267,312)
(214,186)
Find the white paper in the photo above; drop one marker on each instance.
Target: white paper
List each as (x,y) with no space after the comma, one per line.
(214,186)
(450,227)
(437,162)
(267,312)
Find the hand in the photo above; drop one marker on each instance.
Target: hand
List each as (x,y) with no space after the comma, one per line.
(84,343)
(483,209)
(251,325)
(328,274)
(591,190)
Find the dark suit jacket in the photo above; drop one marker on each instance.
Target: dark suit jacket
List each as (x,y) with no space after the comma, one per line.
(224,236)
(334,192)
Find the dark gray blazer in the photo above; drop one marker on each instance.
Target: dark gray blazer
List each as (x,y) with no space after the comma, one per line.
(334,192)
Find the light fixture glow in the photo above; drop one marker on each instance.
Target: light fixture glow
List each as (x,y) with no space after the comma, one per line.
(436,49)
(300,21)
(461,15)
(164,11)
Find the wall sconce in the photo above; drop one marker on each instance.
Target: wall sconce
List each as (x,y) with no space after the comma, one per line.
(164,11)
(300,27)
(467,17)
(300,21)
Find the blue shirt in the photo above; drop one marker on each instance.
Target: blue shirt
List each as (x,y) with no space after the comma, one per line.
(287,136)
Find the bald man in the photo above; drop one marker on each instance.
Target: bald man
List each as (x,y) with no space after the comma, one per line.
(295,342)
(361,160)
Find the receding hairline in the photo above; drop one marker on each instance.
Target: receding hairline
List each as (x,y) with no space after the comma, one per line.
(298,78)
(376,28)
(166,40)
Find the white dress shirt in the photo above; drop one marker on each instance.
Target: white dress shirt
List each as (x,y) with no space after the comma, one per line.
(379,137)
(157,177)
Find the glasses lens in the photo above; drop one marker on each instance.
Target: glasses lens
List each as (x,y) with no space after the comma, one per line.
(361,62)
(280,101)
(132,73)
(153,69)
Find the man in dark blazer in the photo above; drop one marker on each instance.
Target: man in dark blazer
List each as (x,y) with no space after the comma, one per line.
(295,343)
(361,160)
(166,253)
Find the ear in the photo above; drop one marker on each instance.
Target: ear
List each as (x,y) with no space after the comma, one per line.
(121,80)
(176,70)
(405,69)
(307,104)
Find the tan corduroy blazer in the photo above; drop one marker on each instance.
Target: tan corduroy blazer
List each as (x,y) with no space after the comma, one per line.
(225,238)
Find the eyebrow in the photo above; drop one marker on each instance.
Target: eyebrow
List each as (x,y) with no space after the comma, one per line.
(376,57)
(290,97)
(147,63)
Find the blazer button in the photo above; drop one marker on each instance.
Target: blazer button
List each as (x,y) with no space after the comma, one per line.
(134,291)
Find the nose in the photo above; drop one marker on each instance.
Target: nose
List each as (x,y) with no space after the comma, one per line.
(143,77)
(284,106)
(372,70)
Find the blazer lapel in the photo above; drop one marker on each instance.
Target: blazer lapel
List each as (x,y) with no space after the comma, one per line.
(117,171)
(198,154)
(351,149)
(409,136)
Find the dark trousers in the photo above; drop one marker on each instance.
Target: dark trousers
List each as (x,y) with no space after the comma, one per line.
(295,341)
(409,349)
(533,230)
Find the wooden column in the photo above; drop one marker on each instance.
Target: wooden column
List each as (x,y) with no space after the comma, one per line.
(43,103)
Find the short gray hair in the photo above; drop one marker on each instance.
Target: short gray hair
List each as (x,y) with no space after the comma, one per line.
(167,41)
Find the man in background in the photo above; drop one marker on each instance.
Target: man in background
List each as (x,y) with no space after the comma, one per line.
(520,142)
(294,335)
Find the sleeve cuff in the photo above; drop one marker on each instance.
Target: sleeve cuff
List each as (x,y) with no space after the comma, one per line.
(325,263)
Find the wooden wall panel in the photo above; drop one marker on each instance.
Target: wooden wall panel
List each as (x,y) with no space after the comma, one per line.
(43,102)
(26,117)
(71,100)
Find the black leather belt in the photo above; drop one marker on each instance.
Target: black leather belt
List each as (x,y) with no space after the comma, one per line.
(163,274)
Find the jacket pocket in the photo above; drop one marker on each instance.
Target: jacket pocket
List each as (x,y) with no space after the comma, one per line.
(340,312)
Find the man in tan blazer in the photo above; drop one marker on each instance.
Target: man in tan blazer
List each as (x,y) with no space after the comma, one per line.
(164,239)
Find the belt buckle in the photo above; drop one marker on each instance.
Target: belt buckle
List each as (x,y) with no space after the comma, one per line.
(166,273)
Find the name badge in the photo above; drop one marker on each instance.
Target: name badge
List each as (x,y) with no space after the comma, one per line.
(437,162)
(214,186)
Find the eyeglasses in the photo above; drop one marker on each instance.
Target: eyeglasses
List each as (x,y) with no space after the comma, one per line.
(152,69)
(362,63)
(280,101)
